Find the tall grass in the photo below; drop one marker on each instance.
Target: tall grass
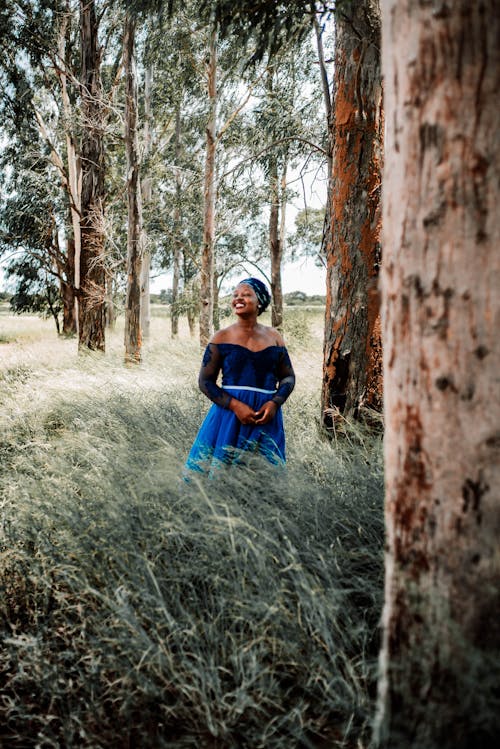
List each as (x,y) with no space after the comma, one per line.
(139,610)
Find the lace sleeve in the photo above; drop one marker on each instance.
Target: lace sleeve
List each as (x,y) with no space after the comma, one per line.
(207,379)
(286,379)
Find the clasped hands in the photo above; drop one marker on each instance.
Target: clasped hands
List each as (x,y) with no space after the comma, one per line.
(247,415)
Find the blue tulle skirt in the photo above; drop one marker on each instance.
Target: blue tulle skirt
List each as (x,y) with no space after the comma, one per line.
(223,439)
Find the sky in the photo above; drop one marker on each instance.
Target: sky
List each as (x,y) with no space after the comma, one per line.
(302,275)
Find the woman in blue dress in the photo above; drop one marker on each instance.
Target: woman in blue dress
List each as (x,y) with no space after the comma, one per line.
(257,378)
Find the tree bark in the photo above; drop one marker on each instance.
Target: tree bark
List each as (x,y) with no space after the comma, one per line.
(146,198)
(207,254)
(73,186)
(275,245)
(216,308)
(133,334)
(174,315)
(69,326)
(91,311)
(441,315)
(352,224)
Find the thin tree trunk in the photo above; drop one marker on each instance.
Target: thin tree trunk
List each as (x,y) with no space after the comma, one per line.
(174,314)
(216,310)
(92,272)
(73,186)
(146,199)
(110,304)
(352,224)
(438,686)
(207,255)
(275,245)
(69,327)
(133,337)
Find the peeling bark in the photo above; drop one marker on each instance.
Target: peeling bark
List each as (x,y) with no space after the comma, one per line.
(441,315)
(352,352)
(91,312)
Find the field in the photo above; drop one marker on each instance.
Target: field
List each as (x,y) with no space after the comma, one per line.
(141,611)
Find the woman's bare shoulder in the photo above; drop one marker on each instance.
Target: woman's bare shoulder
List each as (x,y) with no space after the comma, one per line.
(225,335)
(275,337)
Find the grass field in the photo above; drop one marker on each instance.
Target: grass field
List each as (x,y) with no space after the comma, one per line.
(138,611)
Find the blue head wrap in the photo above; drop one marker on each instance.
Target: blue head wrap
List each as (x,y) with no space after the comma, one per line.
(261,291)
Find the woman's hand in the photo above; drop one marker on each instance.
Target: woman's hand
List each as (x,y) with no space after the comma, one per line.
(266,413)
(243,413)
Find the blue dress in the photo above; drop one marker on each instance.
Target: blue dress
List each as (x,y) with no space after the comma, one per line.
(253,377)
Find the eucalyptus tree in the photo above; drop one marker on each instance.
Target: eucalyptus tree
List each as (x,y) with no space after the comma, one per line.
(30,229)
(135,236)
(92,294)
(352,348)
(37,62)
(173,214)
(352,224)
(287,132)
(441,308)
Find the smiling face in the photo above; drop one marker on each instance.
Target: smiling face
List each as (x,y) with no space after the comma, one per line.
(245,300)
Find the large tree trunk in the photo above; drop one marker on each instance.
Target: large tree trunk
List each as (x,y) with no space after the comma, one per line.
(92,272)
(352,225)
(441,316)
(133,337)
(207,254)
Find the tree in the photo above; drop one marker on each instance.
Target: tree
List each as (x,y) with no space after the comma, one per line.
(209,195)
(441,307)
(307,237)
(36,67)
(92,270)
(133,334)
(352,352)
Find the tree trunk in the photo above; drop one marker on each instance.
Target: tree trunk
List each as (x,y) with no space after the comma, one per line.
(133,337)
(174,314)
(207,254)
(92,272)
(275,245)
(73,185)
(110,303)
(352,225)
(69,327)
(216,310)
(441,314)
(146,199)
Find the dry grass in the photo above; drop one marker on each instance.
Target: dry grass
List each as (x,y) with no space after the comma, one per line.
(141,611)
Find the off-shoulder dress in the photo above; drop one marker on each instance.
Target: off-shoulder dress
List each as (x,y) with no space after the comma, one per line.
(253,377)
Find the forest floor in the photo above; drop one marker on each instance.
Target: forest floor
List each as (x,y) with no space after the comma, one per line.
(141,611)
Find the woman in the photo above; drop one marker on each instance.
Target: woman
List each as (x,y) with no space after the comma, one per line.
(257,378)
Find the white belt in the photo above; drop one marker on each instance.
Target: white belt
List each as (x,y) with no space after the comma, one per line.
(246,387)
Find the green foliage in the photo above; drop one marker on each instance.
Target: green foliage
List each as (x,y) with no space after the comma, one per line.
(307,237)
(141,610)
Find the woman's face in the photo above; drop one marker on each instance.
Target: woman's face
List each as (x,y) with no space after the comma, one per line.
(244,300)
